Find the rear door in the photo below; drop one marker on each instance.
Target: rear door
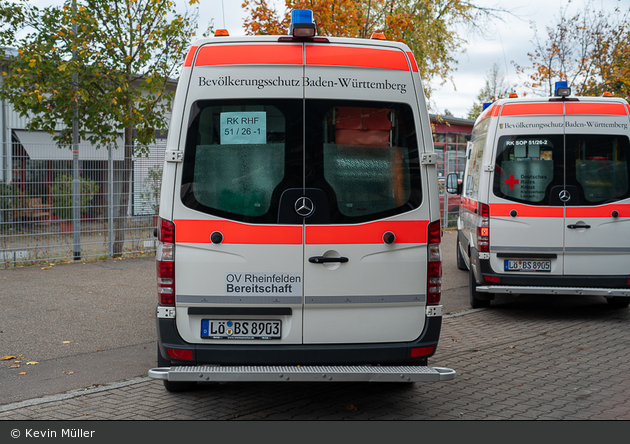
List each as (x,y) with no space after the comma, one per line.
(364,182)
(238,261)
(597,170)
(526,216)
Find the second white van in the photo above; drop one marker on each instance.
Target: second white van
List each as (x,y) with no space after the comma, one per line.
(545,205)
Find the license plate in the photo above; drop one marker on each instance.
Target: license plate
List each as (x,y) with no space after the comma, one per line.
(241,329)
(511,265)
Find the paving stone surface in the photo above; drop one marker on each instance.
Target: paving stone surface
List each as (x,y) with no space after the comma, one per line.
(539,359)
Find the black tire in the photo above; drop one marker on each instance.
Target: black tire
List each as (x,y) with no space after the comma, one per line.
(174,386)
(179,386)
(618,302)
(475,300)
(461,264)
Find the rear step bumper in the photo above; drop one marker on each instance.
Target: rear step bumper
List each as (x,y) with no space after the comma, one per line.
(360,373)
(565,291)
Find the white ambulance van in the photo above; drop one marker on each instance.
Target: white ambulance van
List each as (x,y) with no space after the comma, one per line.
(299,234)
(545,203)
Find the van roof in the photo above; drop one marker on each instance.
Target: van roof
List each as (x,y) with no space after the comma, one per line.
(554,105)
(275,38)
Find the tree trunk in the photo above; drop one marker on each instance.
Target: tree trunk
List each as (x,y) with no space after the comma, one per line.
(120,218)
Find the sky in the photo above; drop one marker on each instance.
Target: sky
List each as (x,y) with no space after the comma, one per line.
(508,41)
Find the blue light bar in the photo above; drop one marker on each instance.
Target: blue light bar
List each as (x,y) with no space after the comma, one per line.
(301,16)
(302,24)
(562,88)
(486,105)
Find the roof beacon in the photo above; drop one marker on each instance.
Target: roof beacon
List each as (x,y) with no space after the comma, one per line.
(562,89)
(302,24)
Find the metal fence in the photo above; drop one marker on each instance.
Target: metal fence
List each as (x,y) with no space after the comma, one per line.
(449,203)
(118,205)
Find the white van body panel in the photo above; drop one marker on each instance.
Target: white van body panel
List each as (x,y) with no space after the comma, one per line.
(531,231)
(555,182)
(379,295)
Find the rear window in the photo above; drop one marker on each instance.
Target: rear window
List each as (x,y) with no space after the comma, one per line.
(246,159)
(593,166)
(601,167)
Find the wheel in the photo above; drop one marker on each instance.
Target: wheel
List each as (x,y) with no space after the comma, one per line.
(174,386)
(461,264)
(475,300)
(618,302)
(179,386)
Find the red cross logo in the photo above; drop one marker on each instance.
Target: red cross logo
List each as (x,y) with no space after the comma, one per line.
(511,181)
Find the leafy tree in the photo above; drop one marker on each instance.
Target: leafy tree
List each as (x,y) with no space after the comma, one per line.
(123,51)
(427,26)
(590,50)
(495,88)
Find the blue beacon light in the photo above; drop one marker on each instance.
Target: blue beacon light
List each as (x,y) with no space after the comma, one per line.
(302,24)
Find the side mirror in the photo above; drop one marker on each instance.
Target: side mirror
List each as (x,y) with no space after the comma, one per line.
(452,184)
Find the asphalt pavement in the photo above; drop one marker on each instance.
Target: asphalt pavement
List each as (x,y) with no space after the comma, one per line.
(88,332)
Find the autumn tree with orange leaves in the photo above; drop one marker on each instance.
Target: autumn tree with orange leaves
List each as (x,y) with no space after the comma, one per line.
(590,50)
(426,26)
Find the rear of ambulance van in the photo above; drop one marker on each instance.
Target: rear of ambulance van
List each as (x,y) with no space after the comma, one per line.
(558,199)
(300,222)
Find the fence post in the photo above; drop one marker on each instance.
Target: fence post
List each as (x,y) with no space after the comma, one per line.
(110,202)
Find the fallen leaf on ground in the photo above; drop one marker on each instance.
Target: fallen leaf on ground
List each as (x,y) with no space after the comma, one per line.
(32,363)
(66,342)
(67,372)
(511,346)
(13,366)
(22,373)
(351,408)
(7,358)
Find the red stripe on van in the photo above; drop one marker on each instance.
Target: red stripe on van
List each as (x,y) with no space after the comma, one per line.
(468,204)
(602,109)
(490,111)
(190,56)
(503,210)
(532,109)
(604,211)
(199,231)
(325,55)
(406,232)
(249,55)
(412,60)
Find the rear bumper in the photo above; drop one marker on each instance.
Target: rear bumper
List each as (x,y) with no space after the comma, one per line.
(611,286)
(300,354)
(564,291)
(303,374)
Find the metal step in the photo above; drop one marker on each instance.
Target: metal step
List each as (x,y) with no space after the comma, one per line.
(359,373)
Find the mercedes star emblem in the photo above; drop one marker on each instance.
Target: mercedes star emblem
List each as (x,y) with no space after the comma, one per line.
(304,206)
(565,196)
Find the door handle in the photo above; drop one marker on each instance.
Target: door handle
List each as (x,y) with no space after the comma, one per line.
(573,226)
(324,259)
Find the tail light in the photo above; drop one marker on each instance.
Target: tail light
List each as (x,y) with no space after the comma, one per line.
(434,275)
(483,228)
(165,257)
